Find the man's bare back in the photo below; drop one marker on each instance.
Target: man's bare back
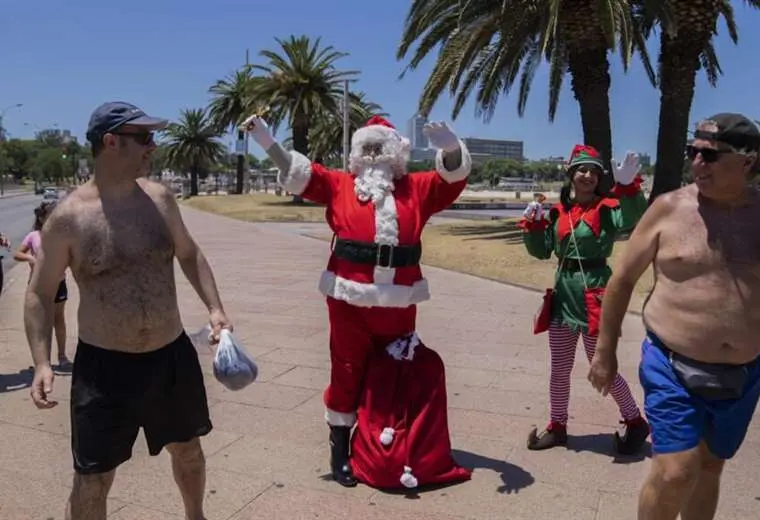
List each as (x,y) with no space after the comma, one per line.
(122,257)
(706,300)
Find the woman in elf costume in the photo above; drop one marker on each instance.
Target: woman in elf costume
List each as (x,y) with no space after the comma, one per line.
(581,231)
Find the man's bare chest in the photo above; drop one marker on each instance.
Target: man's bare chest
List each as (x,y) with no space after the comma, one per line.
(711,242)
(123,241)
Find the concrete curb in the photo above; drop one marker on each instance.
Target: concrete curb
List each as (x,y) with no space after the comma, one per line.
(15,194)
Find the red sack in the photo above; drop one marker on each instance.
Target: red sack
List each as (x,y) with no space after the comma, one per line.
(543,317)
(402,434)
(593,299)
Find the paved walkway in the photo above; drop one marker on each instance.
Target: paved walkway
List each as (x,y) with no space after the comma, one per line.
(267,456)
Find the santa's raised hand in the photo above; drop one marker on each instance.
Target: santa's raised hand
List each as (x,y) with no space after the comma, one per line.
(259,131)
(441,136)
(625,172)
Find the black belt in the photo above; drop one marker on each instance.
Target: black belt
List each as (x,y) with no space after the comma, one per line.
(382,255)
(585,264)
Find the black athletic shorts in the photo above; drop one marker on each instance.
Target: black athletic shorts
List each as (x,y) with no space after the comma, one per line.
(63,292)
(113,394)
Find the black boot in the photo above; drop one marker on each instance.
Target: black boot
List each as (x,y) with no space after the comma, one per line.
(554,435)
(340,441)
(632,441)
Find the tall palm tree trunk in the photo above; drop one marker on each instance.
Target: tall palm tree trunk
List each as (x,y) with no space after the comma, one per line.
(679,63)
(300,144)
(590,73)
(240,166)
(194,182)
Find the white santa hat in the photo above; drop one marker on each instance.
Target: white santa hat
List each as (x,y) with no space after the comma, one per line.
(379,130)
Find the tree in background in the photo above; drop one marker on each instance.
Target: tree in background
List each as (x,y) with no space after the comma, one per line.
(48,158)
(687,29)
(192,144)
(484,46)
(298,85)
(231,103)
(326,134)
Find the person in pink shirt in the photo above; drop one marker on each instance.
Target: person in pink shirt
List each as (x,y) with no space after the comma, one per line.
(27,252)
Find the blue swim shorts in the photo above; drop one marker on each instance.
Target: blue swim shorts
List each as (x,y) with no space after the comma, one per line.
(680,420)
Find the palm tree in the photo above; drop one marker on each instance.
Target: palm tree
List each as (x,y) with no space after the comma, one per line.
(193,144)
(687,29)
(300,85)
(231,103)
(485,45)
(326,133)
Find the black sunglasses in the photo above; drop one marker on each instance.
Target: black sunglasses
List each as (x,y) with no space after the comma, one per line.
(141,138)
(709,155)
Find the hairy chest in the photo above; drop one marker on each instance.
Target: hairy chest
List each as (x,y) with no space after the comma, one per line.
(123,239)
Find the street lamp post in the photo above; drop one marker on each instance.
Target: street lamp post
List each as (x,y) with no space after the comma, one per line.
(2,138)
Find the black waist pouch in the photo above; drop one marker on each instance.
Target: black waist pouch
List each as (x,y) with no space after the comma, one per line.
(716,381)
(710,380)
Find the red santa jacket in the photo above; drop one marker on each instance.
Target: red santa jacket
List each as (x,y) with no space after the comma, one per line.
(398,220)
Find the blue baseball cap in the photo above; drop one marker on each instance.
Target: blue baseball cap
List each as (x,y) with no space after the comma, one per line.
(110,116)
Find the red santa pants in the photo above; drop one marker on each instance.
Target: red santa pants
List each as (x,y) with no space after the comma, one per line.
(354,334)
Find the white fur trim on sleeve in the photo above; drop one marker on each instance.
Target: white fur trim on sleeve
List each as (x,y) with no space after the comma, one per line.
(460,173)
(298,175)
(334,418)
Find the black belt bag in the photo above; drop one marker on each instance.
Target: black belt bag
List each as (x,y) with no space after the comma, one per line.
(716,381)
(381,255)
(578,264)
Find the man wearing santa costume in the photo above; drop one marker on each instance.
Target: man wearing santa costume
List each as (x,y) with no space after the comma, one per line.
(373,280)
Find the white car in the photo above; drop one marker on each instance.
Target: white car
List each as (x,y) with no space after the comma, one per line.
(50,194)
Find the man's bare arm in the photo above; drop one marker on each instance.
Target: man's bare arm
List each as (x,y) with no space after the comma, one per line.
(640,252)
(51,263)
(191,259)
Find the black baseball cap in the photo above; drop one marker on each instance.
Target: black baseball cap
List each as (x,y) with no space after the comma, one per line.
(110,116)
(732,129)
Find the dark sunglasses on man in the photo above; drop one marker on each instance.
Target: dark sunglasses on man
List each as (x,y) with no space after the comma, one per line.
(709,155)
(141,138)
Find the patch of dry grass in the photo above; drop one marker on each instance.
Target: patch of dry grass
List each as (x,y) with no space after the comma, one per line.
(494,249)
(259,207)
(523,199)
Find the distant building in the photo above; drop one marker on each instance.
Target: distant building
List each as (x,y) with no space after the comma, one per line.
(645,160)
(422,154)
(554,159)
(484,149)
(414,132)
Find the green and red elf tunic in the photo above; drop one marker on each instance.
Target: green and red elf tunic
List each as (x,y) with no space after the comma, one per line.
(596,227)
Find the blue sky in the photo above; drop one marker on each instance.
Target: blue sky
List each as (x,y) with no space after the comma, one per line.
(61,59)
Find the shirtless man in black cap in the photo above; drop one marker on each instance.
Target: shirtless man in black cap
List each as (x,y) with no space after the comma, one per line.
(134,366)
(700,364)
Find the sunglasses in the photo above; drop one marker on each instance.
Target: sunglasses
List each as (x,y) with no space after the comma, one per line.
(141,138)
(709,155)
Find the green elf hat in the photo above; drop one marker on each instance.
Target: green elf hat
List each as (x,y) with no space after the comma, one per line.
(583,154)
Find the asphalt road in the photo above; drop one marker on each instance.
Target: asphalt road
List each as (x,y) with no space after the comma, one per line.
(16,220)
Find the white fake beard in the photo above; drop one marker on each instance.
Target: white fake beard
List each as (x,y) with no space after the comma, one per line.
(374,180)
